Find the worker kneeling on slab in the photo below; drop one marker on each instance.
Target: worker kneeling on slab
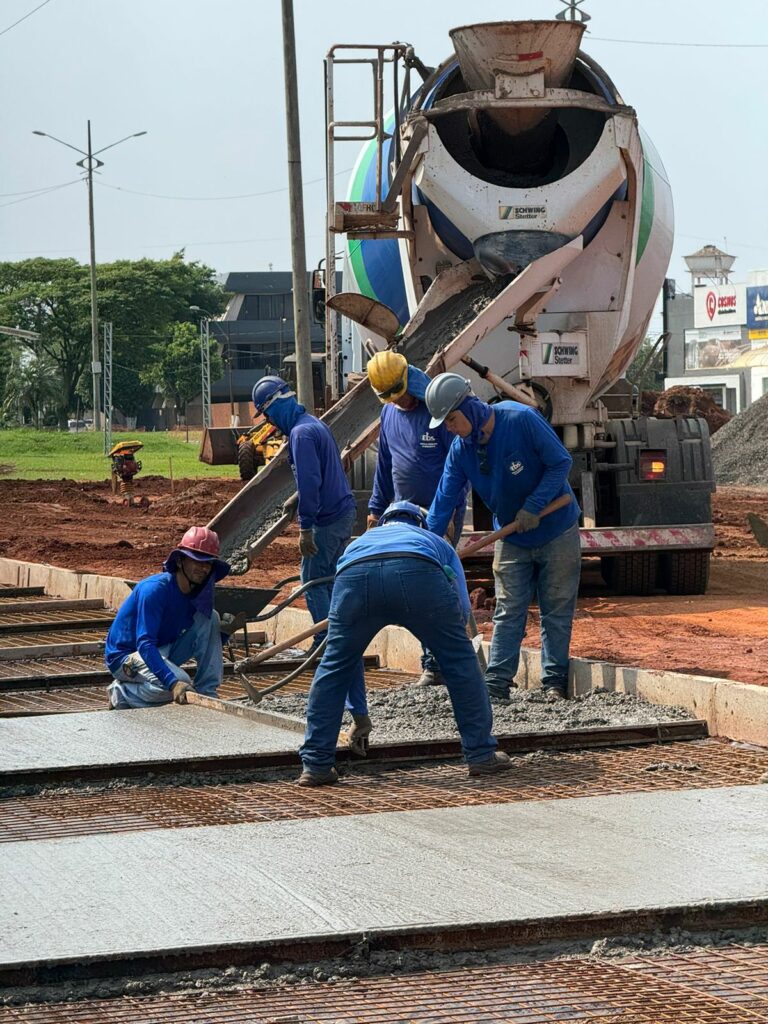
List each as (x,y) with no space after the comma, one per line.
(168,619)
(517,464)
(411,455)
(398,574)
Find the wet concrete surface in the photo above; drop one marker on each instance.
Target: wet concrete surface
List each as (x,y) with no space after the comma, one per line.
(168,733)
(149,891)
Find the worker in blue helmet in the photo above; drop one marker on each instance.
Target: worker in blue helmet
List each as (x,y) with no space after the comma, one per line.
(325,503)
(518,465)
(398,574)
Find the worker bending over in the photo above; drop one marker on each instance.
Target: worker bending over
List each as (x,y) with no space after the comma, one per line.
(517,464)
(411,455)
(398,574)
(165,621)
(326,505)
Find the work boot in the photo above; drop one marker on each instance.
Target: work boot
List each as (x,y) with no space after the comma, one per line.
(500,762)
(308,778)
(500,694)
(357,737)
(431,677)
(554,693)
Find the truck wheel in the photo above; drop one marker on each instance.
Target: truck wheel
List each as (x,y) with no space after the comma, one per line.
(686,572)
(633,573)
(246,460)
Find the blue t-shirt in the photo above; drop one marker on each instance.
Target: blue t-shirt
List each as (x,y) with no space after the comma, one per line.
(524,465)
(154,614)
(399,538)
(411,459)
(324,493)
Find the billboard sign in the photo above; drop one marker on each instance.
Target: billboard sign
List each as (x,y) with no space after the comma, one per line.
(757,312)
(713,347)
(719,305)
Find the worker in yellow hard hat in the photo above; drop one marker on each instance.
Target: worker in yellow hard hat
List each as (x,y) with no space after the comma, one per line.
(411,454)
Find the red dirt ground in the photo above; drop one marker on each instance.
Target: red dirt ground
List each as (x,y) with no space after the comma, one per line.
(724,633)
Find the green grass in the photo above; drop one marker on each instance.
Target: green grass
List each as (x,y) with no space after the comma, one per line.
(51,455)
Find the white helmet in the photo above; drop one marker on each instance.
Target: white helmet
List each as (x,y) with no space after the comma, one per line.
(444,393)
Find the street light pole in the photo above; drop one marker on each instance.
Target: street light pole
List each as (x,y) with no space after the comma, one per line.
(89,164)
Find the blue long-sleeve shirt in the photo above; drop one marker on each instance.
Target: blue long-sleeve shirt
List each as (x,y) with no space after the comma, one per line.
(524,465)
(399,538)
(411,459)
(324,494)
(154,614)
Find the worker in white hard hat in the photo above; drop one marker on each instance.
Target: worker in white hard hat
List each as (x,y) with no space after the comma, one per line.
(518,465)
(411,456)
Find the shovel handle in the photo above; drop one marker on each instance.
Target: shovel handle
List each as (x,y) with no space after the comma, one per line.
(257,659)
(505,531)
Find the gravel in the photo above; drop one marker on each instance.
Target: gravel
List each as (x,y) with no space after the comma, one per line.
(424,712)
(740,448)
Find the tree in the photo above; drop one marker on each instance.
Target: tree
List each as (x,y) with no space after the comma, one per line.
(142,299)
(176,369)
(30,387)
(646,369)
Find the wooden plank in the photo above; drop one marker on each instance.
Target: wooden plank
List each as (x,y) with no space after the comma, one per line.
(51,650)
(53,605)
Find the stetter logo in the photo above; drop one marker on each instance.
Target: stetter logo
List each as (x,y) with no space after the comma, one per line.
(559,355)
(521,212)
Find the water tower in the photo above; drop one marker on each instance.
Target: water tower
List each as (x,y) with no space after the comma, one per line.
(709,265)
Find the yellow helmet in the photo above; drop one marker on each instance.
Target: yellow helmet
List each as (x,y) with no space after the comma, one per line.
(388,374)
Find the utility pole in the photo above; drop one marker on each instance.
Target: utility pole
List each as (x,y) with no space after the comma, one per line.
(89,164)
(107,387)
(296,202)
(205,367)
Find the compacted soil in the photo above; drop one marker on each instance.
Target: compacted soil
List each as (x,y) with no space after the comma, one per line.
(723,633)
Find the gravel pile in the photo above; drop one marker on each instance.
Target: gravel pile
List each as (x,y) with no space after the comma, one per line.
(740,448)
(424,712)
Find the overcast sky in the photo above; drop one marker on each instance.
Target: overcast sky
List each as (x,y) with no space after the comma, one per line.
(204,79)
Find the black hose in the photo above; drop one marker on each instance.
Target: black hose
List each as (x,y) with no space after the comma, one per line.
(257,695)
(291,597)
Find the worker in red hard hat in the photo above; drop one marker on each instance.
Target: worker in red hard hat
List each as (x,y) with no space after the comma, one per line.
(167,620)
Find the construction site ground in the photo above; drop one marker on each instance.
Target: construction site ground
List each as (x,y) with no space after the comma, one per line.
(724,633)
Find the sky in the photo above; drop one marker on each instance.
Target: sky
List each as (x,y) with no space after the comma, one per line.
(204,79)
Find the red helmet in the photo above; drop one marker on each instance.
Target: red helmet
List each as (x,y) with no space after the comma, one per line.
(199,540)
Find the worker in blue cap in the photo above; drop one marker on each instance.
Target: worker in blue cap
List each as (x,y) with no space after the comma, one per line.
(398,574)
(518,465)
(411,455)
(325,503)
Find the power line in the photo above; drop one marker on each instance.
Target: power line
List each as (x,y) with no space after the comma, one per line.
(215,199)
(42,192)
(664,42)
(27,15)
(32,191)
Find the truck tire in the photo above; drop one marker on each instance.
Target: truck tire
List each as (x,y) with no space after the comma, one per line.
(685,572)
(246,460)
(633,573)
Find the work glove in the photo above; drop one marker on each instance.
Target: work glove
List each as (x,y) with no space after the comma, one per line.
(307,545)
(371,521)
(180,689)
(526,521)
(357,736)
(290,506)
(450,531)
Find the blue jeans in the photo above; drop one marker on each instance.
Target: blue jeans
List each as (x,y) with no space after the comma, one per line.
(136,686)
(331,541)
(428,660)
(403,591)
(552,574)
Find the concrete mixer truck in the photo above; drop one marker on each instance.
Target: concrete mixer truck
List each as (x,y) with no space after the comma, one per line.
(509,212)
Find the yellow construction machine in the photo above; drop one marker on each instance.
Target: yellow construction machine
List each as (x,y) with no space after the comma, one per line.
(248,448)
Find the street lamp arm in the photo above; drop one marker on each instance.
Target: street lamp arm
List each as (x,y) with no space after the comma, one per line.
(67,144)
(135,135)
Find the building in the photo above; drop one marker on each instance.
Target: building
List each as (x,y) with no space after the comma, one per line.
(718,334)
(256,334)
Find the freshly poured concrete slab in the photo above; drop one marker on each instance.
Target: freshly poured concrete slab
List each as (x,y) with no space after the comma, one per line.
(116,895)
(167,733)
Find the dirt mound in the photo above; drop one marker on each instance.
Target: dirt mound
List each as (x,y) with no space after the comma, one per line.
(740,450)
(648,400)
(682,401)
